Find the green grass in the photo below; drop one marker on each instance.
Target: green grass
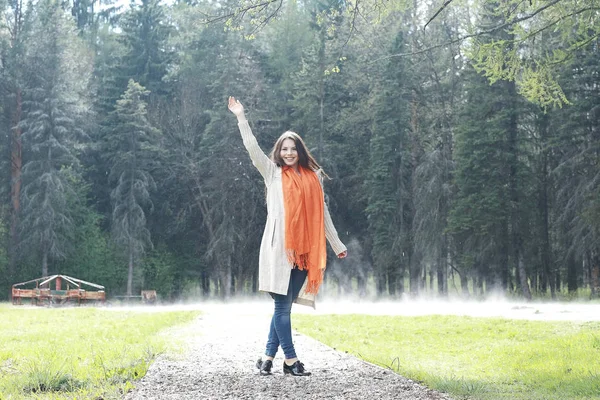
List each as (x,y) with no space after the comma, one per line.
(473,358)
(79,353)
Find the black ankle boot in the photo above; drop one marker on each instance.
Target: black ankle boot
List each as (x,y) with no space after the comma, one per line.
(264,366)
(296,369)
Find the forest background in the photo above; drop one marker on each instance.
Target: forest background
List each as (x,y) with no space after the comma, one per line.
(462,139)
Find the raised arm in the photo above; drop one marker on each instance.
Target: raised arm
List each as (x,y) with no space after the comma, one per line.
(265,166)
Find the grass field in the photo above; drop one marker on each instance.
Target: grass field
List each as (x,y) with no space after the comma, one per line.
(473,358)
(79,353)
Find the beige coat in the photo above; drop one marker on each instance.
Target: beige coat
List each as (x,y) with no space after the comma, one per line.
(274,268)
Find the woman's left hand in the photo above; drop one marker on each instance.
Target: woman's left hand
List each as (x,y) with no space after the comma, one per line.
(235,107)
(343,254)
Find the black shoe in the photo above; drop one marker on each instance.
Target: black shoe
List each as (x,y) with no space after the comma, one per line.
(296,369)
(264,366)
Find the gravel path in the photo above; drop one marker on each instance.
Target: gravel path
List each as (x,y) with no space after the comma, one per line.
(222,347)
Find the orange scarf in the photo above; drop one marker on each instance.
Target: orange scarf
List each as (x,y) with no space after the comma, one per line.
(304,223)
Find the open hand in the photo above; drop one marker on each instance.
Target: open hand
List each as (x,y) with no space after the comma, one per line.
(235,107)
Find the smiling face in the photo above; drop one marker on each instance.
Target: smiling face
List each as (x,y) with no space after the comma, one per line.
(290,150)
(289,153)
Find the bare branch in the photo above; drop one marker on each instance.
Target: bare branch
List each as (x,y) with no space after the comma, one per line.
(573,49)
(240,12)
(269,17)
(556,21)
(355,13)
(521,19)
(446,4)
(483,32)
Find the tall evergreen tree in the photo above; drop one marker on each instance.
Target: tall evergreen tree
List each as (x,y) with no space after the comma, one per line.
(145,31)
(225,213)
(315,91)
(107,90)
(389,184)
(489,153)
(478,218)
(12,81)
(287,39)
(576,146)
(93,257)
(53,111)
(132,154)
(135,47)
(438,87)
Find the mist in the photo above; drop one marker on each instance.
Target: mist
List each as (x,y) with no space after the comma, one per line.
(492,308)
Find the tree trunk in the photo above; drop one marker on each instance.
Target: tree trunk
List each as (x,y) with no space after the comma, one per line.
(16,158)
(130,273)
(433,269)
(485,280)
(380,283)
(523,279)
(392,278)
(464,285)
(546,248)
(361,283)
(587,270)
(442,270)
(225,279)
(415,275)
(516,257)
(415,259)
(321,92)
(45,263)
(400,283)
(595,275)
(534,282)
(226,285)
(415,156)
(205,284)
(255,281)
(441,289)
(237,283)
(544,280)
(423,283)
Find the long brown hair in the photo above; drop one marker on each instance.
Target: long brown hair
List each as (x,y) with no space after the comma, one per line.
(305,159)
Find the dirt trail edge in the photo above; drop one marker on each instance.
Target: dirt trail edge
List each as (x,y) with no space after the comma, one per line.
(222,346)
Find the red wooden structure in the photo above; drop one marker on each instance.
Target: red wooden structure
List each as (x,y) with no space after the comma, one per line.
(42,294)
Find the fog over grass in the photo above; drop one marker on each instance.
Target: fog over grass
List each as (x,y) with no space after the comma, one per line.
(497,307)
(488,308)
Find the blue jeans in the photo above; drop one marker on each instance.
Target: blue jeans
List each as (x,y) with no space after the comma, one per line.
(280,333)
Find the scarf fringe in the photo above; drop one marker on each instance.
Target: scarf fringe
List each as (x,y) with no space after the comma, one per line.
(301,261)
(312,286)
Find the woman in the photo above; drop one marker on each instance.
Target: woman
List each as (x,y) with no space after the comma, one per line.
(292,251)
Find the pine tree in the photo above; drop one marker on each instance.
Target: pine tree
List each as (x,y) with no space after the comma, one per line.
(315,90)
(437,90)
(52,117)
(389,209)
(132,153)
(12,78)
(145,33)
(133,48)
(486,217)
(576,148)
(93,257)
(479,218)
